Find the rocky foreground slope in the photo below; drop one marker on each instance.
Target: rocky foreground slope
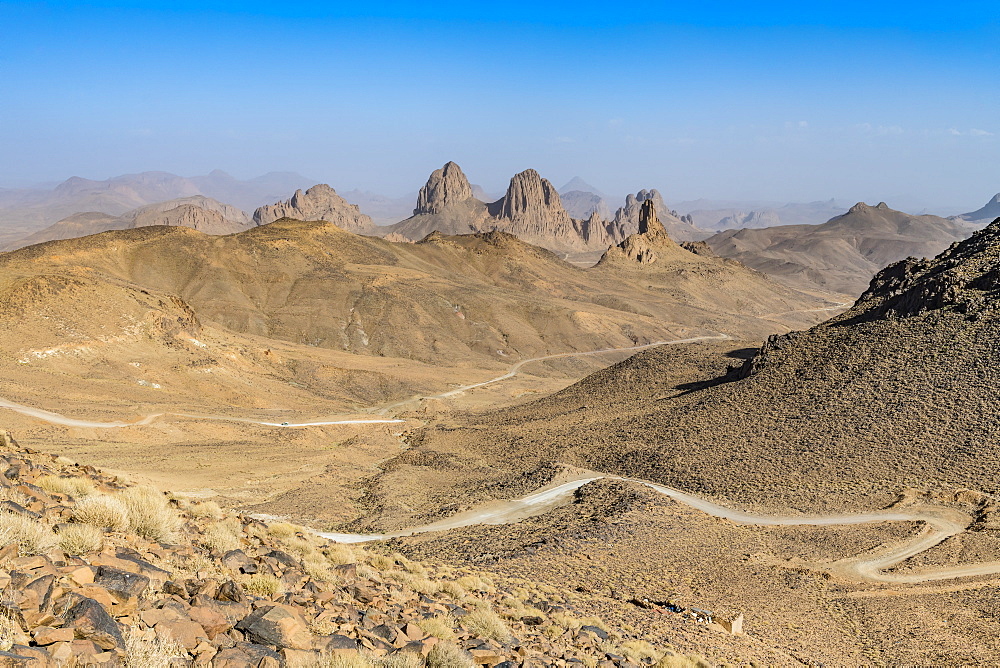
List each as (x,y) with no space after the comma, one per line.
(99,573)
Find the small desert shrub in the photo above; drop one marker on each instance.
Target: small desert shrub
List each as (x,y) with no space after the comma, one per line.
(300,546)
(77,539)
(380,561)
(282,530)
(413,582)
(221,536)
(487,624)
(149,514)
(262,584)
(30,536)
(367,572)
(440,626)
(639,650)
(473,583)
(453,589)
(10,632)
(678,661)
(102,510)
(151,652)
(360,660)
(318,568)
(338,554)
(12,494)
(78,488)
(206,510)
(448,655)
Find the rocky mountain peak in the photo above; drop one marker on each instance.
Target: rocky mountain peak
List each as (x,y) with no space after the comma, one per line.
(446,186)
(321,202)
(648,224)
(531,196)
(860,207)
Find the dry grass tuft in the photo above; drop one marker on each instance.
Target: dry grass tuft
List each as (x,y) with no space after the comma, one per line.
(77,488)
(142,651)
(208,510)
(282,530)
(31,537)
(487,624)
(448,655)
(339,554)
(678,661)
(222,536)
(262,584)
(150,514)
(440,626)
(77,539)
(452,589)
(102,510)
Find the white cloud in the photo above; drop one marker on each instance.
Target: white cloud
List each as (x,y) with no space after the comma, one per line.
(954,132)
(976,132)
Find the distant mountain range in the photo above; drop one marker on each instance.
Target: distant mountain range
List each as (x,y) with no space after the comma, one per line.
(24,211)
(843,253)
(984,214)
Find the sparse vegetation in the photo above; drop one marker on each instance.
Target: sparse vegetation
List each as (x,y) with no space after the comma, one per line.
(147,650)
(77,539)
(449,655)
(102,510)
(31,536)
(262,584)
(149,514)
(77,488)
(484,622)
(439,626)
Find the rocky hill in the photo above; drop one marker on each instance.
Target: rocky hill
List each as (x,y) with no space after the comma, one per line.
(842,254)
(896,392)
(321,202)
(197,212)
(488,297)
(445,204)
(24,211)
(532,210)
(626,220)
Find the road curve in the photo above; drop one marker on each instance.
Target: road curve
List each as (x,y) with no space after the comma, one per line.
(56,418)
(941,523)
(514,369)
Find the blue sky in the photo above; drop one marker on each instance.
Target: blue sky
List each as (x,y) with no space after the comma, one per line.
(784,101)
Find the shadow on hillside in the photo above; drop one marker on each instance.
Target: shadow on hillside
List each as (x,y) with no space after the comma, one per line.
(732,374)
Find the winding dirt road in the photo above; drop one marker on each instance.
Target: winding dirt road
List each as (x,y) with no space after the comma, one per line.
(56,418)
(940,523)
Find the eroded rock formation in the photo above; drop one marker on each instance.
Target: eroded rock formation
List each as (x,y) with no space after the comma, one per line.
(321,202)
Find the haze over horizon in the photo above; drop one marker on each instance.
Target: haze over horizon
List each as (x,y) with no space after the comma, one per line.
(785,103)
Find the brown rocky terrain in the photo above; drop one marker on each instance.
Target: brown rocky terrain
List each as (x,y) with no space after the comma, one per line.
(842,254)
(477,297)
(197,212)
(97,572)
(815,420)
(888,404)
(321,202)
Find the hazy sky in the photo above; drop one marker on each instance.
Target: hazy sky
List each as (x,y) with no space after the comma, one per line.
(787,101)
